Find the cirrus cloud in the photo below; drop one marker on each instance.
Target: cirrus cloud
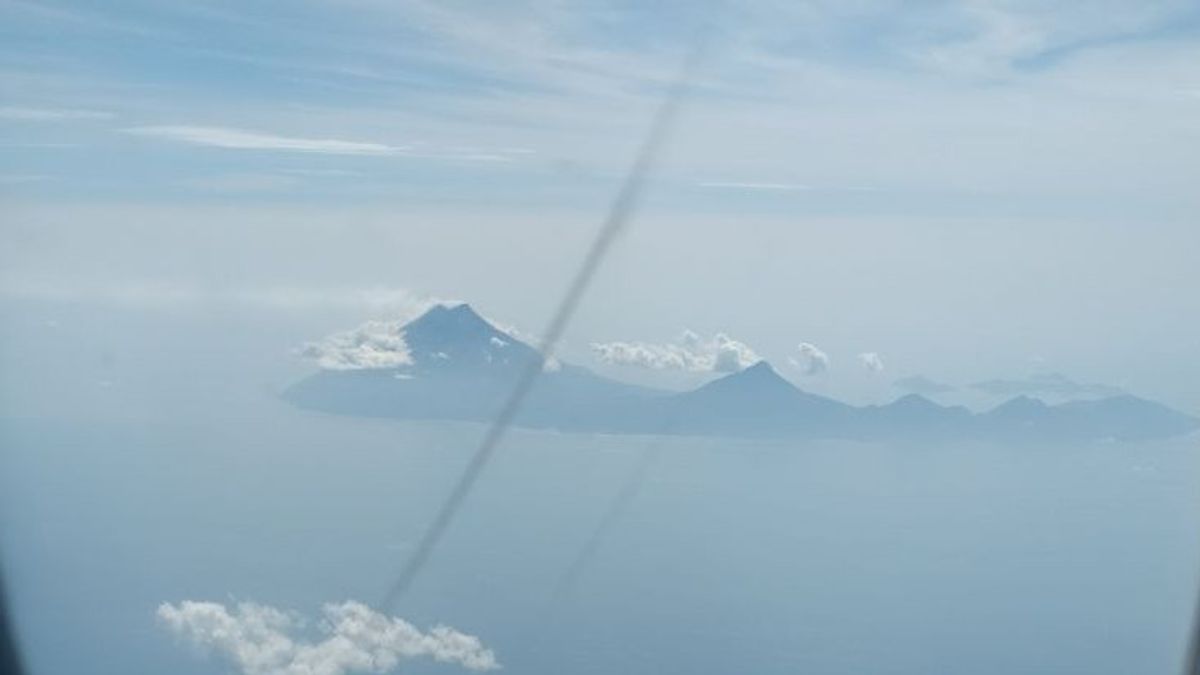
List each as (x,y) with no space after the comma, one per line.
(262,640)
(241,139)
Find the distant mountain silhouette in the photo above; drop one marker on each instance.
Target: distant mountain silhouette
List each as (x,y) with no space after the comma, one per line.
(462,367)
(755,402)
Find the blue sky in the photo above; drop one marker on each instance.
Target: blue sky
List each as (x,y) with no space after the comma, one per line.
(1010,179)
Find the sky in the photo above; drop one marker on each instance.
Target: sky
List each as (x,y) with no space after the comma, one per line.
(859,192)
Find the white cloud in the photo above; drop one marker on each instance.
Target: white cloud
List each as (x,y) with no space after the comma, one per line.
(721,354)
(50,114)
(261,640)
(731,355)
(811,360)
(872,361)
(241,139)
(993,37)
(374,344)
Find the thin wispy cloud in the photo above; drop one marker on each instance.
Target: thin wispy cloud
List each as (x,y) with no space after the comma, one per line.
(351,638)
(229,138)
(51,114)
(323,173)
(243,182)
(150,294)
(770,187)
(241,139)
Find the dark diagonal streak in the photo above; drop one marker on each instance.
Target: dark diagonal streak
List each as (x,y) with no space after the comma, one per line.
(616,511)
(619,214)
(1191,658)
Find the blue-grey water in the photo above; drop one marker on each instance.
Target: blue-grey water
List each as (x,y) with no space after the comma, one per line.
(132,476)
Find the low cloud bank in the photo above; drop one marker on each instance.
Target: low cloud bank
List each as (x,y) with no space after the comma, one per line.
(261,640)
(720,354)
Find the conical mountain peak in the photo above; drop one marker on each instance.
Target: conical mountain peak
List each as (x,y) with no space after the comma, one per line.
(759,378)
(459,339)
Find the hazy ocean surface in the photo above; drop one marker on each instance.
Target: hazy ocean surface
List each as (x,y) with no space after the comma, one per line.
(733,557)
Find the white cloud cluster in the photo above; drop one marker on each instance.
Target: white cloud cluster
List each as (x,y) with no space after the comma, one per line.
(872,361)
(374,344)
(811,360)
(259,639)
(721,354)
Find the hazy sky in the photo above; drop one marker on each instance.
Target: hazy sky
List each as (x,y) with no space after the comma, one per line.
(964,190)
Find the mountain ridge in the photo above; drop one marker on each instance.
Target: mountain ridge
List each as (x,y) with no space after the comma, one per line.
(462,367)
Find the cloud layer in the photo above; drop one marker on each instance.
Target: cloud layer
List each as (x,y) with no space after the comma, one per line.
(260,640)
(720,354)
(374,344)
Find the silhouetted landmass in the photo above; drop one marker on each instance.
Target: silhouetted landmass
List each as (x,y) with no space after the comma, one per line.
(462,367)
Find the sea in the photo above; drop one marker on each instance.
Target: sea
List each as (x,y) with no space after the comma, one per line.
(146,458)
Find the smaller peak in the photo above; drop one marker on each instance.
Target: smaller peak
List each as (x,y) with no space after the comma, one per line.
(761,373)
(440,322)
(1022,402)
(459,313)
(915,400)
